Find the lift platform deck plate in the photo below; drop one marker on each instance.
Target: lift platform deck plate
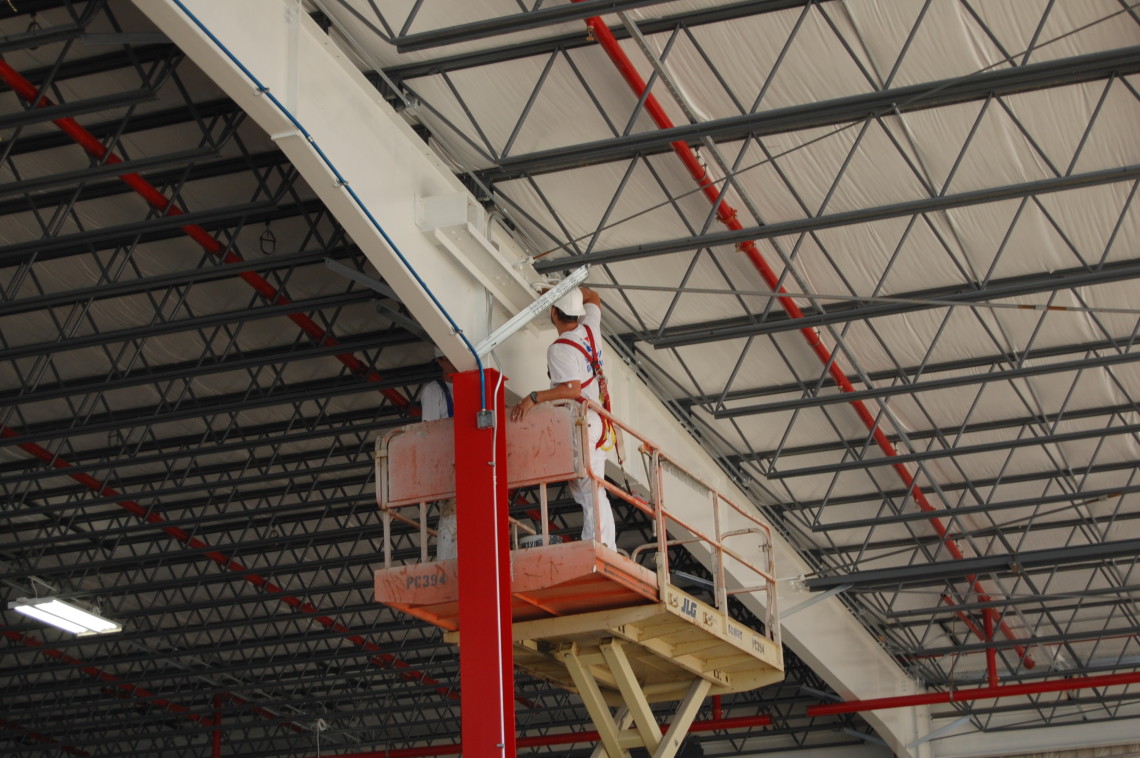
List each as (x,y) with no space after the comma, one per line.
(546,582)
(579,599)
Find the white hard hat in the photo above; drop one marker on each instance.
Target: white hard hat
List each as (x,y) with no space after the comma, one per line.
(571,303)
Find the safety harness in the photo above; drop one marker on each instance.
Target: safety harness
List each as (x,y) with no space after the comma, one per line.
(608,432)
(447,396)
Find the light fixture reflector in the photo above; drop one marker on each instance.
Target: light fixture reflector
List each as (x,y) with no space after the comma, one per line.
(64,615)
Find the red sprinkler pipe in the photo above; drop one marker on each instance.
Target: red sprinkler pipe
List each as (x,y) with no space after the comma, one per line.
(85,139)
(546,740)
(726,214)
(40,737)
(126,688)
(979,693)
(383,660)
(131,690)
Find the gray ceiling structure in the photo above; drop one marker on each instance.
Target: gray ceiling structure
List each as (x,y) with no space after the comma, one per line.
(190,385)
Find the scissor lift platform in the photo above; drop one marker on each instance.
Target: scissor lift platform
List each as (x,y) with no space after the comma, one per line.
(586,617)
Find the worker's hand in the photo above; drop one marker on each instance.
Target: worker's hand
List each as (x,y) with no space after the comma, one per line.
(519,411)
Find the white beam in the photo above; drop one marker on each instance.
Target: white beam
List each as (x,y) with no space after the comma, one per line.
(393,178)
(351,146)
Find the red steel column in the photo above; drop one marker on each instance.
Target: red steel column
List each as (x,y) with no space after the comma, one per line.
(486,662)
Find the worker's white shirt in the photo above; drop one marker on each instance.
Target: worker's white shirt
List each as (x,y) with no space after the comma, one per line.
(567,364)
(433,402)
(433,405)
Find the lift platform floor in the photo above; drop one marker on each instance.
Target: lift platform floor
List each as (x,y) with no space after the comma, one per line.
(546,582)
(574,602)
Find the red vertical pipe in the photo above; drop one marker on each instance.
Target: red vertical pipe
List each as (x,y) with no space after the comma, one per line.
(486,663)
(726,214)
(217,743)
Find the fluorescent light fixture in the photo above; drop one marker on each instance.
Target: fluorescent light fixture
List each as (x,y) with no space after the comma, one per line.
(66,616)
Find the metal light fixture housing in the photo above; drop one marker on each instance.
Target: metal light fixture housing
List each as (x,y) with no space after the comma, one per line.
(65,615)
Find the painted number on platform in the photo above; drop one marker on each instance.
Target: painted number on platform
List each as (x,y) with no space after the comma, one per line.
(427,580)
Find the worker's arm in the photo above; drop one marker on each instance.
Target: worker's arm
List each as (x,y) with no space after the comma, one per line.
(564,391)
(591,296)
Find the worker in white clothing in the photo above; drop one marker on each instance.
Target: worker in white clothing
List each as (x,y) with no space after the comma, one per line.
(436,402)
(574,363)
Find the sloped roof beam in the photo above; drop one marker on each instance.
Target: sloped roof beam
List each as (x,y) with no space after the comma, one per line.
(903,373)
(1014,478)
(210,521)
(686,19)
(917,543)
(914,388)
(33,38)
(984,447)
(946,431)
(1013,563)
(939,297)
(192,171)
(76,107)
(164,450)
(1120,591)
(162,282)
(1129,630)
(846,218)
(216,404)
(151,230)
(535,19)
(63,179)
(270,356)
(99,64)
(916,97)
(1085,496)
(136,123)
(186,325)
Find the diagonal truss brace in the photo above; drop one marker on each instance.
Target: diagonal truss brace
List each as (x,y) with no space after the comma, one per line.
(616,736)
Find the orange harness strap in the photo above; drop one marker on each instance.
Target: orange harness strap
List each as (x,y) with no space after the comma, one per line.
(595,367)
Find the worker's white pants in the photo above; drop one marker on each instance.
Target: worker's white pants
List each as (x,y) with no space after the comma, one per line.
(445,545)
(582,490)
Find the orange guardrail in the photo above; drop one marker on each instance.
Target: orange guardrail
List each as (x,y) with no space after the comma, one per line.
(415,470)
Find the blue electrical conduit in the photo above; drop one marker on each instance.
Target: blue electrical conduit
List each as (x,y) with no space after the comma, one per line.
(343,183)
